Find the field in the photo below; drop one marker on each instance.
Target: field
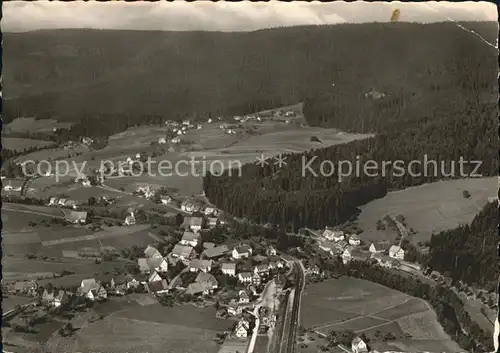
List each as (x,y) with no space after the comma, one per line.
(32,125)
(366,307)
(429,208)
(19,144)
(151,328)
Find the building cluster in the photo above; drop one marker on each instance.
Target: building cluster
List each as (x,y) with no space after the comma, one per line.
(347,246)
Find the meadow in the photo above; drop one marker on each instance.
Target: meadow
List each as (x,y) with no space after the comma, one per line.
(20,144)
(366,307)
(150,328)
(32,125)
(429,208)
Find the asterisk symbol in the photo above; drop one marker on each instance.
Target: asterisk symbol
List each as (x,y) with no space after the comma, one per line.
(280,160)
(262,160)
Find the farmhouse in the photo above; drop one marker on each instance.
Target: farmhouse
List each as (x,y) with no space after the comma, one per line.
(204,284)
(209,211)
(197,265)
(61,299)
(183,252)
(245,277)
(193,223)
(92,289)
(26,287)
(234,309)
(354,240)
(358,345)
(396,252)
(229,268)
(151,264)
(242,251)
(379,247)
(130,219)
(189,238)
(271,251)
(77,217)
(53,201)
(347,255)
(157,287)
(261,269)
(256,279)
(215,252)
(162,141)
(165,200)
(213,222)
(244,297)
(242,328)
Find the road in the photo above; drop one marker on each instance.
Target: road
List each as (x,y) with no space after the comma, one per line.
(293,316)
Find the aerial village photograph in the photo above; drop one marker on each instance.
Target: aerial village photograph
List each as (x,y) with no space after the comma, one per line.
(252,177)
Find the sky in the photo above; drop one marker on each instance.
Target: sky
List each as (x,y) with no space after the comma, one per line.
(21,16)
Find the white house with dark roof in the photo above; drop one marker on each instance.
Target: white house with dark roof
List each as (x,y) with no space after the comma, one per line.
(396,252)
(228,268)
(148,265)
(245,277)
(244,298)
(242,328)
(241,252)
(93,289)
(76,217)
(193,223)
(358,345)
(197,265)
(190,238)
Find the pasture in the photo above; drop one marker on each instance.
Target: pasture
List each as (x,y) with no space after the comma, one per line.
(20,144)
(429,208)
(32,125)
(151,328)
(366,307)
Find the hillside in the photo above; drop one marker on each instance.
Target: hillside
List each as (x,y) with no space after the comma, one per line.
(469,250)
(131,77)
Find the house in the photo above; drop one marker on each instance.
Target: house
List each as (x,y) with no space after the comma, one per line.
(354,240)
(54,201)
(261,269)
(347,255)
(197,265)
(379,247)
(208,245)
(241,252)
(193,223)
(26,287)
(207,281)
(183,252)
(213,222)
(314,270)
(189,238)
(259,258)
(62,298)
(210,211)
(165,200)
(157,287)
(358,345)
(130,219)
(244,298)
(229,268)
(215,252)
(256,279)
(197,288)
(152,252)
(271,251)
(162,141)
(93,289)
(242,328)
(333,235)
(396,252)
(77,217)
(234,309)
(245,277)
(151,264)
(71,204)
